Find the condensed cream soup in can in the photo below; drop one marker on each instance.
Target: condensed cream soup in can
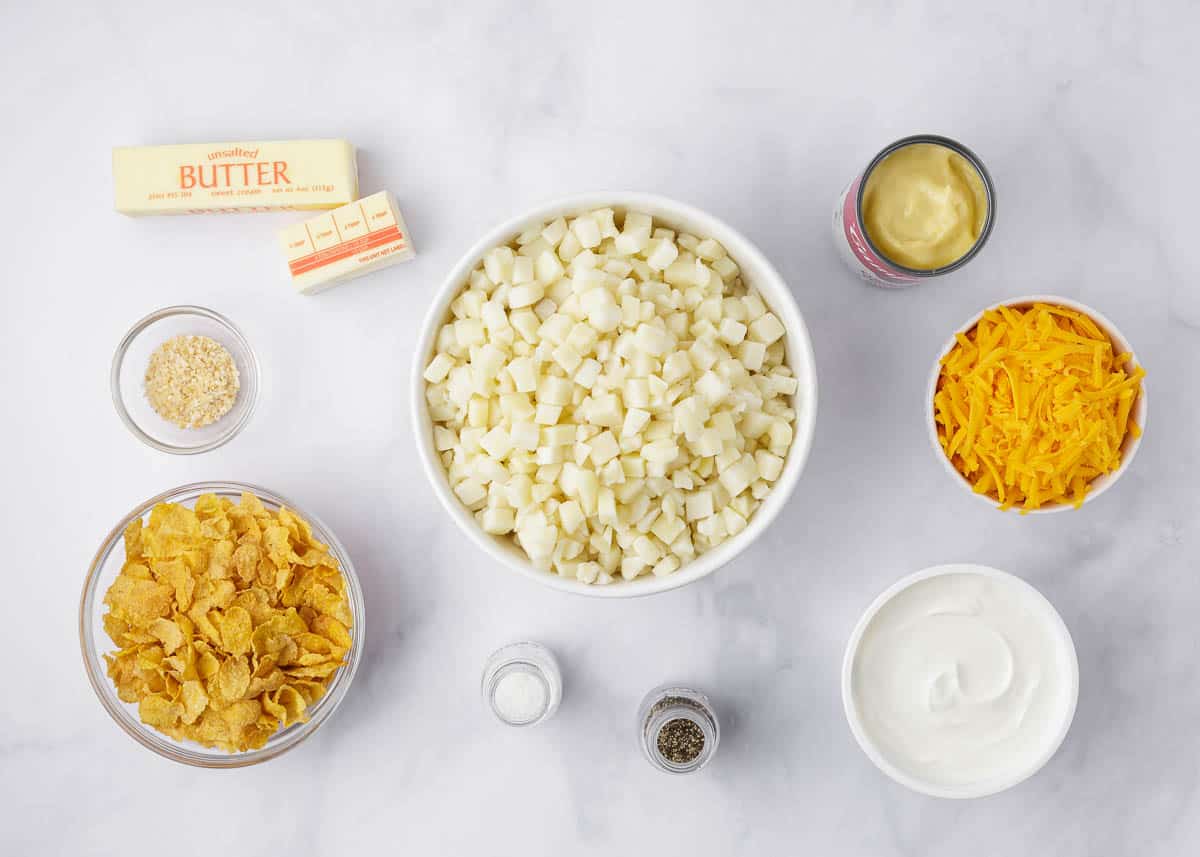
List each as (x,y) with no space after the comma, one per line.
(864,244)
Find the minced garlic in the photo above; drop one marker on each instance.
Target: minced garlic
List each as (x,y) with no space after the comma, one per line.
(1033,404)
(191,381)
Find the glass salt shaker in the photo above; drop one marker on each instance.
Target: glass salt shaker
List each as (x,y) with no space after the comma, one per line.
(678,729)
(522,684)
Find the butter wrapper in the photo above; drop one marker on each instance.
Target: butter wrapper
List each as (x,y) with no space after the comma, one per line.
(353,240)
(214,178)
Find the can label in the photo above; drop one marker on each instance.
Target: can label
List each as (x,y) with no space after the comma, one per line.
(852,244)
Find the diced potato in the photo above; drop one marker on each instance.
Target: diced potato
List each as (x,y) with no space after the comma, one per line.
(732,332)
(444,438)
(471,492)
(522,270)
(665,566)
(498,264)
(654,340)
(726,268)
(635,421)
(755,308)
(523,374)
(665,252)
(699,505)
(587,572)
(526,323)
(567,357)
(632,566)
(646,550)
(703,356)
(439,367)
(605,220)
(548,268)
(498,521)
(589,490)
(477,412)
(710,250)
(661,451)
(525,295)
(515,407)
(604,447)
(569,247)
(589,370)
(636,222)
(780,435)
(469,332)
(612,473)
(582,337)
(554,231)
(668,529)
(726,457)
(637,393)
(544,308)
(751,354)
(615,400)
(783,385)
(547,415)
(601,309)
(571,515)
(769,466)
(587,230)
(525,436)
(496,443)
(712,388)
(737,477)
(766,329)
(558,435)
(554,391)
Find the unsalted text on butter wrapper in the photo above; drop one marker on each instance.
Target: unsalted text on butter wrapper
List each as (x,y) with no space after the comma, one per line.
(211,178)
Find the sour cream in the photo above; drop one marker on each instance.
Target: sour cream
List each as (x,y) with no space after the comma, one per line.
(961,681)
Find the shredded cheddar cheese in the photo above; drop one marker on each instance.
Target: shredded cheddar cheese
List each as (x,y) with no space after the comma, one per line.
(1032,405)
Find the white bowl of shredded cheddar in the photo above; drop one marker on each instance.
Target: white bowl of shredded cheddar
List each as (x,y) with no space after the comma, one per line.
(1036,403)
(617,510)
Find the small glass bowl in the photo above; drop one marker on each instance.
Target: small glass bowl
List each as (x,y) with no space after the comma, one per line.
(129,373)
(95,642)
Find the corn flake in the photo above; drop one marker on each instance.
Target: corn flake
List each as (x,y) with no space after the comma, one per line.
(229,620)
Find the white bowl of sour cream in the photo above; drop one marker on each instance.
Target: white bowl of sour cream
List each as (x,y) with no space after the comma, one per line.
(960,681)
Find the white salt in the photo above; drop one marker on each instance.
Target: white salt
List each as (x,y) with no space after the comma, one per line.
(519,697)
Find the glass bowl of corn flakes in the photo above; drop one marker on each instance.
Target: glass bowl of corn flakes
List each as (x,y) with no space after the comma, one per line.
(220,625)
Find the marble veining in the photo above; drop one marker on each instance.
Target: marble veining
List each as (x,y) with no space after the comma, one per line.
(1084,112)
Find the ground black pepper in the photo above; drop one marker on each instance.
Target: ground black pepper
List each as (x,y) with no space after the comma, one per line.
(679,732)
(680,740)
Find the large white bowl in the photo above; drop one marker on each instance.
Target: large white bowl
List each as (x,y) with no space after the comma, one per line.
(1129,447)
(756,271)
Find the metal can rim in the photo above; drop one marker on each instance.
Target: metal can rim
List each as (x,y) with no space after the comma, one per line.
(988,186)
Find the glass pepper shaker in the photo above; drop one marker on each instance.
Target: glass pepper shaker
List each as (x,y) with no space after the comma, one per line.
(678,729)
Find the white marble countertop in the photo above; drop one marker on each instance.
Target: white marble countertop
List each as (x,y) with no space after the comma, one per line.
(1086,115)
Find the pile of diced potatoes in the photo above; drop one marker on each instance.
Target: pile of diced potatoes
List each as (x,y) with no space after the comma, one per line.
(612,397)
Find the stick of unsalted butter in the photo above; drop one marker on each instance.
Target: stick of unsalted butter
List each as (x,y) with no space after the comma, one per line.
(353,240)
(211,178)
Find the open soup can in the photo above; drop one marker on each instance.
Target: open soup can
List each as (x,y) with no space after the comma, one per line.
(923,207)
